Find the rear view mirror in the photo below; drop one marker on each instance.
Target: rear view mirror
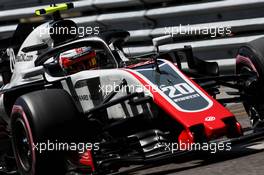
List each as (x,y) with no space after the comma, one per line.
(161,41)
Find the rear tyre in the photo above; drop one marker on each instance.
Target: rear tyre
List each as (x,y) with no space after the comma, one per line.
(41,117)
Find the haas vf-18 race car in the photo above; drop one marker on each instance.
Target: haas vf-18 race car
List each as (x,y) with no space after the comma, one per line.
(71,104)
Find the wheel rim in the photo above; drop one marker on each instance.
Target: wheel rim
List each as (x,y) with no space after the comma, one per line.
(22,144)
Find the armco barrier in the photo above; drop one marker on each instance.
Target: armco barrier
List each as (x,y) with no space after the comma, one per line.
(145,21)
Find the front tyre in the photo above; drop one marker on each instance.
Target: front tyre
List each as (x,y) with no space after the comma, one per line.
(37,118)
(250,61)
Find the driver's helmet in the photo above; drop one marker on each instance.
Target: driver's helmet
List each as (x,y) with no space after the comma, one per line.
(78,59)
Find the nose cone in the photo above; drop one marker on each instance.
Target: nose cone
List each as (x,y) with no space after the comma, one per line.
(214,127)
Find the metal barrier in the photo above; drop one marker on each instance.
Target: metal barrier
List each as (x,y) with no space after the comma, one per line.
(145,21)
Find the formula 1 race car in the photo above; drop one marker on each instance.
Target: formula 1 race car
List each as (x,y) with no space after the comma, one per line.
(71,104)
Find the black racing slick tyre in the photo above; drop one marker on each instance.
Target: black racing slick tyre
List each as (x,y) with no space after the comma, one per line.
(38,118)
(250,61)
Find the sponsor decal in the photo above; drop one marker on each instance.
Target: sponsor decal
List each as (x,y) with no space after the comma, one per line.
(84,97)
(24,57)
(210,119)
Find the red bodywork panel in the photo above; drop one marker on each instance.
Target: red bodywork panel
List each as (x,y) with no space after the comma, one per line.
(212,118)
(87,160)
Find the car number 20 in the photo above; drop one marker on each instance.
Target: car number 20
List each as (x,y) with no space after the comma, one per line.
(177,90)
